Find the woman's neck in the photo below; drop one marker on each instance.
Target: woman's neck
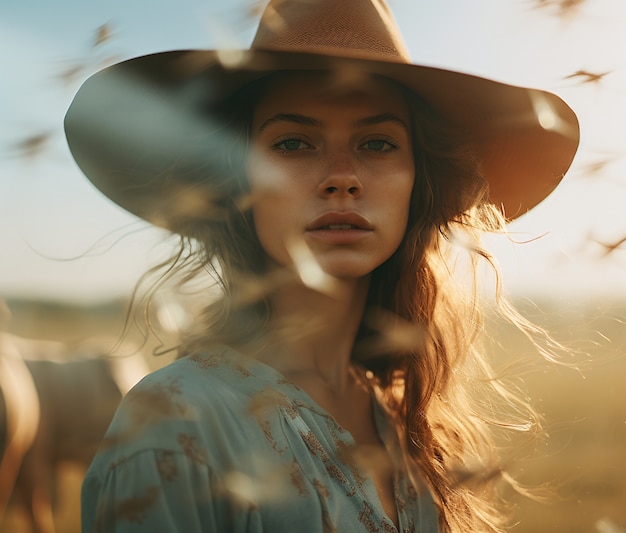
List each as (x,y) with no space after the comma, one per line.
(314,332)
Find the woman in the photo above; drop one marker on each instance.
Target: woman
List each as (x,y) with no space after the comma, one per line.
(326,183)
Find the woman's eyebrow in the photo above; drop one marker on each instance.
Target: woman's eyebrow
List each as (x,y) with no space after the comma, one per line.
(297,118)
(378,119)
(289,117)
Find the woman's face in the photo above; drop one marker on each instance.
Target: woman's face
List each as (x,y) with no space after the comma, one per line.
(331,168)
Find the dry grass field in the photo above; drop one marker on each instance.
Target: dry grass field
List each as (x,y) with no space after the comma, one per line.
(580,467)
(581,463)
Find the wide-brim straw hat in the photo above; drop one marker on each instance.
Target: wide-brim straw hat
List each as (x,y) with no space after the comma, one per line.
(137,127)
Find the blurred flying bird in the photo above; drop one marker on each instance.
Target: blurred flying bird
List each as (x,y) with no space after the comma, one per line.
(70,74)
(601,166)
(33,145)
(563,8)
(103,34)
(611,247)
(596,167)
(585,76)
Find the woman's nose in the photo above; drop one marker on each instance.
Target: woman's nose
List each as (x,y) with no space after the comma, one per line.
(341,179)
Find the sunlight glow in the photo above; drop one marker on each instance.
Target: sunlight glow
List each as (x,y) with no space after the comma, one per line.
(308,269)
(232,58)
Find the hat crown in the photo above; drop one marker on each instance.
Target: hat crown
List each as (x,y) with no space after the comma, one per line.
(351,28)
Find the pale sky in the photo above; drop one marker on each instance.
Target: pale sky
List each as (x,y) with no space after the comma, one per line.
(59,238)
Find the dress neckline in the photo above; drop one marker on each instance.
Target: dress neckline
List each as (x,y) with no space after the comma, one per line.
(271,377)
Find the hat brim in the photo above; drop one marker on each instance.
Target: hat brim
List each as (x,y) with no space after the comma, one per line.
(130,123)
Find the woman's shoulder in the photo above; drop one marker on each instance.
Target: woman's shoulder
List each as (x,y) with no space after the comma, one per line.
(204,409)
(197,377)
(193,387)
(203,398)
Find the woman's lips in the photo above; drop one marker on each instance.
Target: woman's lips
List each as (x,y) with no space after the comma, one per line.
(339,220)
(339,228)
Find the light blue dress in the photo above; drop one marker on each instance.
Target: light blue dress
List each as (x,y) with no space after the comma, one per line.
(220,442)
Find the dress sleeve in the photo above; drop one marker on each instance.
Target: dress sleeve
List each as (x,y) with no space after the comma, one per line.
(153,491)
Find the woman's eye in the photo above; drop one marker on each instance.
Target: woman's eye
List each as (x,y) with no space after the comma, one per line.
(291,145)
(378,145)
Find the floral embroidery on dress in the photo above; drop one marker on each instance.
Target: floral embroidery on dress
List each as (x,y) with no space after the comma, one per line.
(411,528)
(400,501)
(260,406)
(323,494)
(327,523)
(315,446)
(297,479)
(346,455)
(321,488)
(206,360)
(336,473)
(156,402)
(284,381)
(399,483)
(411,493)
(290,410)
(365,517)
(243,371)
(166,465)
(387,527)
(300,404)
(134,509)
(191,450)
(118,461)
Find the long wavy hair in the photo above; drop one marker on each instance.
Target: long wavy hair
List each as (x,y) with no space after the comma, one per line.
(420,336)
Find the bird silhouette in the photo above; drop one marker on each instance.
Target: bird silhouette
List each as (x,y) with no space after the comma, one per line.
(586,76)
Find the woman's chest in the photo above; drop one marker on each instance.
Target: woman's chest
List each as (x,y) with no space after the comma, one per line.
(301,467)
